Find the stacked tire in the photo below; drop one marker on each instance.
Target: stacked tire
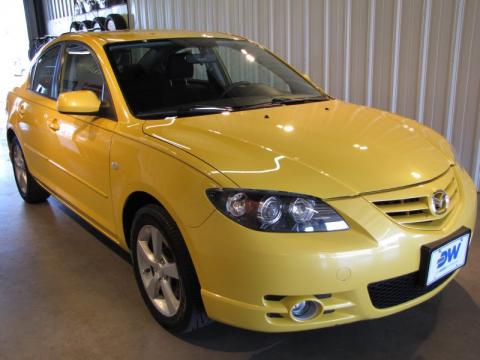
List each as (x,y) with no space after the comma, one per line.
(115,22)
(99,23)
(112,22)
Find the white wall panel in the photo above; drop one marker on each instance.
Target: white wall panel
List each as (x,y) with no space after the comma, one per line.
(419,58)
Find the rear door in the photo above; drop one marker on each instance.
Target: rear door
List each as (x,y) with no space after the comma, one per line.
(36,107)
(79,151)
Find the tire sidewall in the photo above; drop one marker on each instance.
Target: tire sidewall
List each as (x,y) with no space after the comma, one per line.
(35,193)
(153,215)
(15,143)
(118,22)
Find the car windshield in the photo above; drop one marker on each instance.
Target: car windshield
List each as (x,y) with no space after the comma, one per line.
(195,76)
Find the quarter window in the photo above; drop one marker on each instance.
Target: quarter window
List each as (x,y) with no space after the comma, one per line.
(43,81)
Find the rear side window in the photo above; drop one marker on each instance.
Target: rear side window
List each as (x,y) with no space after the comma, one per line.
(81,71)
(43,79)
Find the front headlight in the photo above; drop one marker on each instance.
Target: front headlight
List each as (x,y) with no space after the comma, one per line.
(275,211)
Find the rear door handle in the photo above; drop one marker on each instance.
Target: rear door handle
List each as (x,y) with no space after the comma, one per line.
(53,124)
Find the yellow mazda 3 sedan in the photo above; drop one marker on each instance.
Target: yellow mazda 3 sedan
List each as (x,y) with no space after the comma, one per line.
(244,193)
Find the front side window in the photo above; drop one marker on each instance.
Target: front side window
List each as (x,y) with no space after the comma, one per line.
(173,76)
(81,71)
(43,81)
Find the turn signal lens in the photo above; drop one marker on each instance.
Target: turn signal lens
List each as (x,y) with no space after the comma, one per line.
(236,204)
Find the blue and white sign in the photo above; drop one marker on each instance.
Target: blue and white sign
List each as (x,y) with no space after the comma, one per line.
(448,258)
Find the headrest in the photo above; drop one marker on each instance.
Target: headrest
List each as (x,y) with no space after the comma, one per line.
(178,67)
(86,70)
(133,71)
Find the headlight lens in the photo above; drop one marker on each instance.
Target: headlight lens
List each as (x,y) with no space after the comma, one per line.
(276,211)
(269,211)
(302,210)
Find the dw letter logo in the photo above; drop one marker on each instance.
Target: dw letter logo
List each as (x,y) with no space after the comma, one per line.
(448,255)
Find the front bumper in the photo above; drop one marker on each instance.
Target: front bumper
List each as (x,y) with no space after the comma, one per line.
(249,278)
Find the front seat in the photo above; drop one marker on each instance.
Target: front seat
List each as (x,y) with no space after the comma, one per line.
(179,89)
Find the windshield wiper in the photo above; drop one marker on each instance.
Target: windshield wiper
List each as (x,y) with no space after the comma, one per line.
(284,101)
(300,100)
(195,110)
(183,111)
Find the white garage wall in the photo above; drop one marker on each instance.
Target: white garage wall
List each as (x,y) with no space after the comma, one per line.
(418,58)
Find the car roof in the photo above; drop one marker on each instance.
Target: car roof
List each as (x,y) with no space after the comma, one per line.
(138,35)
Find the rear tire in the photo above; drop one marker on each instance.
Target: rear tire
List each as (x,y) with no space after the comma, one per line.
(164,271)
(29,189)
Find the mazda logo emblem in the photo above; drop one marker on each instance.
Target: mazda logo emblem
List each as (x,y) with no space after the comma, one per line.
(439,202)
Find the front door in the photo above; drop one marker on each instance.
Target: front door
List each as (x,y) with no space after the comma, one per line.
(80,144)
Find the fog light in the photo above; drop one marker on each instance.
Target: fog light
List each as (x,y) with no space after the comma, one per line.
(304,310)
(299,308)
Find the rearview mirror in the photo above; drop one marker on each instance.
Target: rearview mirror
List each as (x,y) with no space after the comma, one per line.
(82,102)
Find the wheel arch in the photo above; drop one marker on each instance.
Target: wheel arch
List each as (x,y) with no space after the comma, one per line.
(10,136)
(133,203)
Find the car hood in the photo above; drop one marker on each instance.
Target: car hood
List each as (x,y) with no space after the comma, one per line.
(326,149)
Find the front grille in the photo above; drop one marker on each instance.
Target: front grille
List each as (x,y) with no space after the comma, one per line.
(410,206)
(399,290)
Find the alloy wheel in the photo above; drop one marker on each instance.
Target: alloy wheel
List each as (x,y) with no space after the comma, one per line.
(20,168)
(158,271)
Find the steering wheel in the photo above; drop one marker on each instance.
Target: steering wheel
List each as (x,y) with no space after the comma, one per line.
(233,86)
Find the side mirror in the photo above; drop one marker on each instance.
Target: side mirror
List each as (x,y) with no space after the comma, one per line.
(82,102)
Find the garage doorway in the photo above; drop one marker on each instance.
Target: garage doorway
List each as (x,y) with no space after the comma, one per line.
(13,64)
(14,60)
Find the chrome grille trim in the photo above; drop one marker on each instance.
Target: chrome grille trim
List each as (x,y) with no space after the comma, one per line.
(410,206)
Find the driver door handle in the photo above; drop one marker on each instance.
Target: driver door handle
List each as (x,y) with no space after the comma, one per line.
(53,124)
(22,108)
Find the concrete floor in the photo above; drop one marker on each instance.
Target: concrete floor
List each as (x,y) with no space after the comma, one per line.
(66,293)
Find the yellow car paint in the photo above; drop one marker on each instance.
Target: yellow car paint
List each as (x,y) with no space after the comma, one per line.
(348,155)
(78,102)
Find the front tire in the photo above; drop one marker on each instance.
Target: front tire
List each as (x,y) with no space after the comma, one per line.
(164,271)
(29,189)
